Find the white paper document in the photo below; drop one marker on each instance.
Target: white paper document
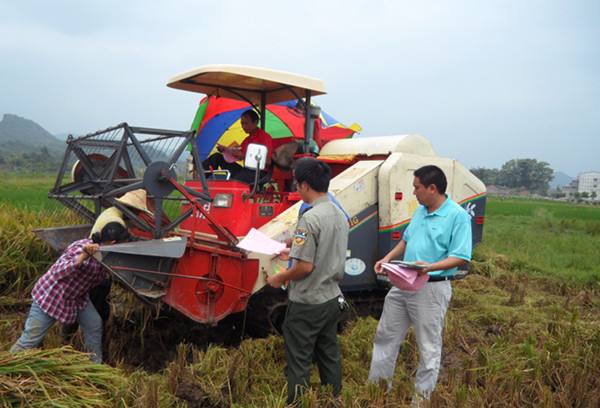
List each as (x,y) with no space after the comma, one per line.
(256,241)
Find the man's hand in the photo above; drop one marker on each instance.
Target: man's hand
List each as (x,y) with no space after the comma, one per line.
(221,148)
(379,266)
(284,255)
(422,271)
(276,280)
(88,251)
(91,249)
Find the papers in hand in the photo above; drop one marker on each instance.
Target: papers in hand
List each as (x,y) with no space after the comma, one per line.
(228,156)
(256,241)
(409,275)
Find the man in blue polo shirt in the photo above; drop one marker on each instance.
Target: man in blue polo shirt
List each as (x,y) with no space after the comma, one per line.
(439,238)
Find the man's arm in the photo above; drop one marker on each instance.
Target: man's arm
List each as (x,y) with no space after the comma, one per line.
(396,252)
(298,270)
(448,263)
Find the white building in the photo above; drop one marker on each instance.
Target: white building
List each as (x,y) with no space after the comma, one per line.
(589,182)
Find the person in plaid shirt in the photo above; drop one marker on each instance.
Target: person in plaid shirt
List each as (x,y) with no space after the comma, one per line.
(62,293)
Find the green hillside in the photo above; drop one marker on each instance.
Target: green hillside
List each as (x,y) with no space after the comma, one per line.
(25,145)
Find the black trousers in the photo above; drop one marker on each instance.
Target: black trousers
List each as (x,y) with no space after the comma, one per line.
(216,160)
(310,331)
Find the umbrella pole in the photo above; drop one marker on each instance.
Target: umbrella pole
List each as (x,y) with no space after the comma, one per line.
(308,123)
(263,110)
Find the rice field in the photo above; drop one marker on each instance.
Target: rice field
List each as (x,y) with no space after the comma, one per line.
(522,330)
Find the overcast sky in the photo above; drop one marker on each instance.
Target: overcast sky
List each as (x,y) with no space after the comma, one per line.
(484,81)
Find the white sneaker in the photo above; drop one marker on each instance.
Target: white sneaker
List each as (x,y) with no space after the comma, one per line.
(419,401)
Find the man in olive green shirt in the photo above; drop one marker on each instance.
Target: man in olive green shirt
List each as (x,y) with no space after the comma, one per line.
(318,250)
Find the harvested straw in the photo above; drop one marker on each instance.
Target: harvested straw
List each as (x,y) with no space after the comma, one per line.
(57,377)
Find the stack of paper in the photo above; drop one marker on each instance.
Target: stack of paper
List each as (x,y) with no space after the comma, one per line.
(256,241)
(409,275)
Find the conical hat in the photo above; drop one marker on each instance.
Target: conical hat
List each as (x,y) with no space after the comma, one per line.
(135,199)
(111,214)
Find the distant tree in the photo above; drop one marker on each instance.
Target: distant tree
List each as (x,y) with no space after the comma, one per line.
(584,195)
(488,176)
(528,173)
(593,195)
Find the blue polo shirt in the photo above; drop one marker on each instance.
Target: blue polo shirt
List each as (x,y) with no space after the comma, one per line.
(436,236)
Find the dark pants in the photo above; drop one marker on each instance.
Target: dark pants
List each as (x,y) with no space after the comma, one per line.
(237,172)
(217,160)
(99,298)
(311,331)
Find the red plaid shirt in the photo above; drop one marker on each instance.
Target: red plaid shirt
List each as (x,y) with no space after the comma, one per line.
(64,290)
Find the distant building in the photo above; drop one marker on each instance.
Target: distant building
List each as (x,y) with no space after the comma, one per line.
(499,191)
(589,182)
(570,189)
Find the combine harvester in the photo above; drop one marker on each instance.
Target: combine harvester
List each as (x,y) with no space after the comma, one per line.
(192,263)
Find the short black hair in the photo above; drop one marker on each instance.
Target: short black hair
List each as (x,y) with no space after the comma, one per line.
(316,173)
(113,231)
(431,174)
(252,115)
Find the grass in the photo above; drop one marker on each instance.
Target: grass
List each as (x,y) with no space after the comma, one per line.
(523,329)
(27,192)
(545,238)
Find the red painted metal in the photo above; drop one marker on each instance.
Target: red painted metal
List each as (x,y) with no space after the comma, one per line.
(243,214)
(223,286)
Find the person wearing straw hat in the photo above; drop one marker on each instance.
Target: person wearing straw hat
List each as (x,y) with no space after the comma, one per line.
(438,238)
(136,200)
(62,293)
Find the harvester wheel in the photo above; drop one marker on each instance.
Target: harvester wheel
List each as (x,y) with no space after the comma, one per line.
(264,312)
(276,316)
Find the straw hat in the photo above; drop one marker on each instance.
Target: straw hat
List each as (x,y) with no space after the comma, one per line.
(111,214)
(136,199)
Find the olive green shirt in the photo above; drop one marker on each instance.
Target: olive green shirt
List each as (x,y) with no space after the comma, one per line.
(321,238)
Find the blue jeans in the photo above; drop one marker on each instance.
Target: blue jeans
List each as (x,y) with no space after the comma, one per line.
(38,323)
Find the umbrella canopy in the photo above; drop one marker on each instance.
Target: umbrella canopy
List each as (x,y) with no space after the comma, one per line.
(217,120)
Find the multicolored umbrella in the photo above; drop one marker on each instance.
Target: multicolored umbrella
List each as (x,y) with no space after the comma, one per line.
(218,121)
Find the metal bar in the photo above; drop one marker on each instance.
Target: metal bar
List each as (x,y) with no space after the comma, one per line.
(220,230)
(85,161)
(128,164)
(127,180)
(212,274)
(179,219)
(151,131)
(77,208)
(176,275)
(100,132)
(132,217)
(219,251)
(138,146)
(308,125)
(117,155)
(200,237)
(263,110)
(98,143)
(67,188)
(198,165)
(157,217)
(125,189)
(63,168)
(181,147)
